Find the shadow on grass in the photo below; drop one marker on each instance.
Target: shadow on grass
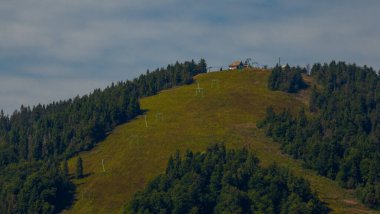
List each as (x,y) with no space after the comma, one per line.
(65,197)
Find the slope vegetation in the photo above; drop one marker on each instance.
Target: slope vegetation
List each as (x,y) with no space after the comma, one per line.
(226,111)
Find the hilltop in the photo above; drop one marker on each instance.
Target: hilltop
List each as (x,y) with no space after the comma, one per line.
(227,111)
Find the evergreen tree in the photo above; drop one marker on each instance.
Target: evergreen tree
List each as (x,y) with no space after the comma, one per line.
(201,67)
(79,168)
(65,168)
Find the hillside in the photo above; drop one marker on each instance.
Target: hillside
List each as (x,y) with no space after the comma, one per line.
(178,119)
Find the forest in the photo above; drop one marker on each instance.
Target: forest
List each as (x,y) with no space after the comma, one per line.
(339,135)
(287,79)
(35,140)
(224,181)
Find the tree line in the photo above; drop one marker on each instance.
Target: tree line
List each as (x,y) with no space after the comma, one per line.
(34,136)
(287,79)
(224,181)
(340,138)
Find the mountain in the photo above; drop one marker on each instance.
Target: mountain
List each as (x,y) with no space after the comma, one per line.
(227,111)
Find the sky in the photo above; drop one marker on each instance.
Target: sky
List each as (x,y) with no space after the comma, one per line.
(55,50)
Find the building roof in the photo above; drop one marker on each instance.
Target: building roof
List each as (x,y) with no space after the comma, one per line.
(235,64)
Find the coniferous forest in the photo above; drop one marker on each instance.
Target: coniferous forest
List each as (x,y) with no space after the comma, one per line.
(287,79)
(224,181)
(339,135)
(35,140)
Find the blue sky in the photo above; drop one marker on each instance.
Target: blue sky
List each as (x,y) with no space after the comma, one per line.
(52,50)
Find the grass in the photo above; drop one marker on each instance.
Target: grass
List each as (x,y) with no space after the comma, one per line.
(134,154)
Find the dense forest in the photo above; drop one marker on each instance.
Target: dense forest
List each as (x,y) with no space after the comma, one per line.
(340,134)
(224,181)
(34,140)
(287,79)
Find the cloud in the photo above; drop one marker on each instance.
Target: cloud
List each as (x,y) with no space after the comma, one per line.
(53,50)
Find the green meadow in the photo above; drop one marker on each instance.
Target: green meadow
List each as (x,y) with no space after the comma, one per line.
(178,119)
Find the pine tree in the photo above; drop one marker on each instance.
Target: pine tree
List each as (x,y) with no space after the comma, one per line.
(65,168)
(202,66)
(79,171)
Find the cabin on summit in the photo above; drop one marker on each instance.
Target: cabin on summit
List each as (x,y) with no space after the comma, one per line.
(236,65)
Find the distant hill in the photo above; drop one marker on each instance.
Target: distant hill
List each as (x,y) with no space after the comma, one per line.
(225,110)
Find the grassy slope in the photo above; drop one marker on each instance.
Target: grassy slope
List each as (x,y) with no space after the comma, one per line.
(134,154)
